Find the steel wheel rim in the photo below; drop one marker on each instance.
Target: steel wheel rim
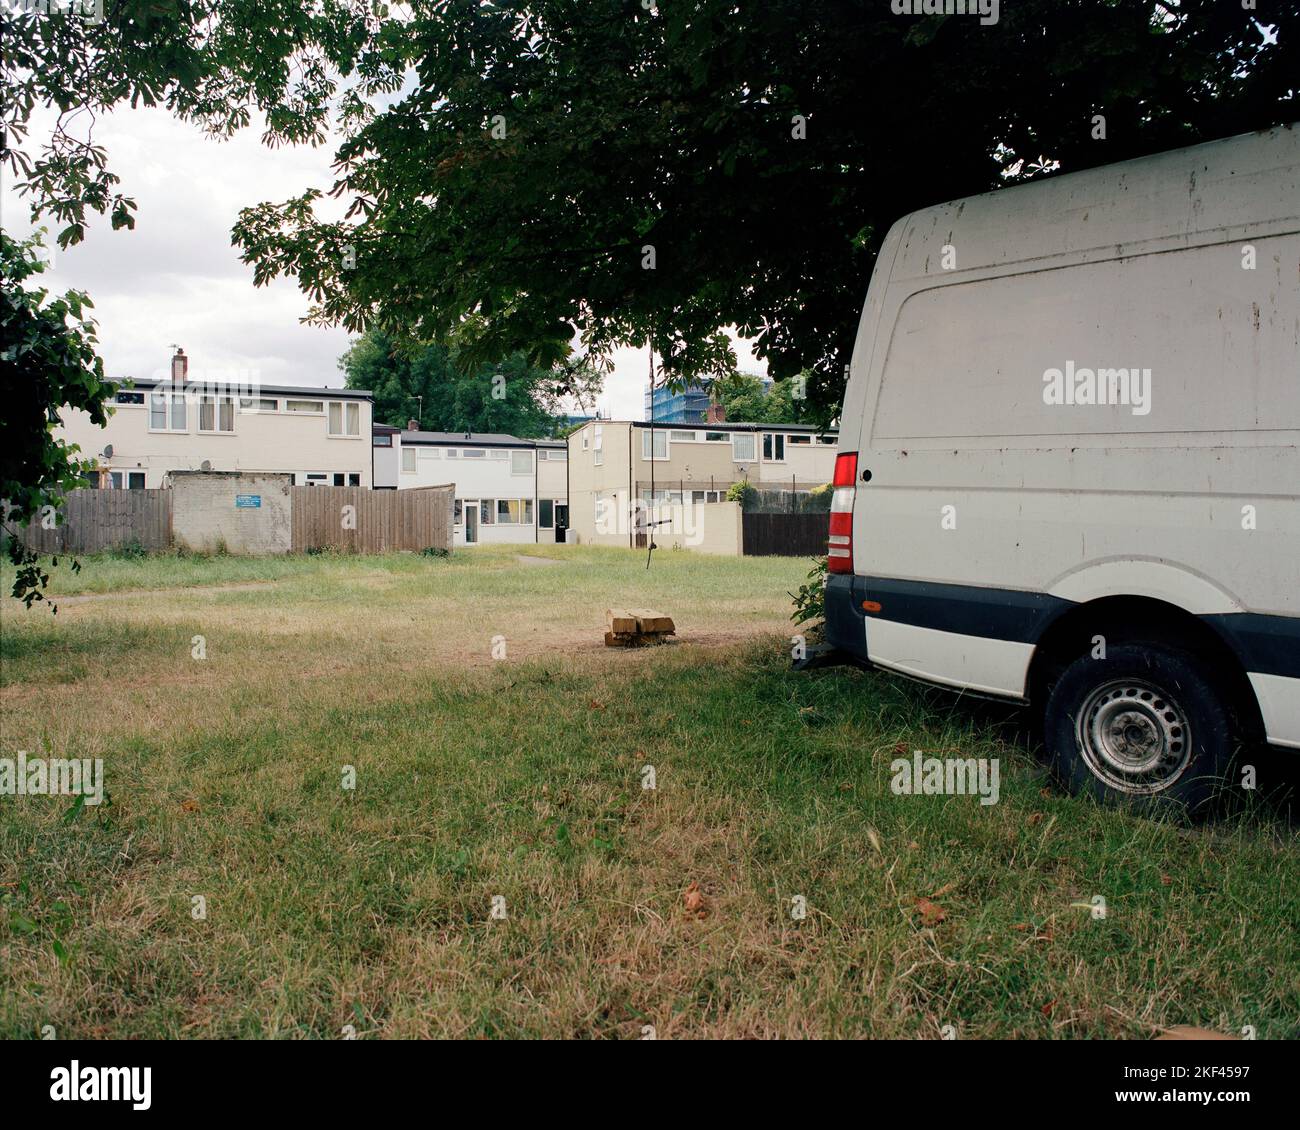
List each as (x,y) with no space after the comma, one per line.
(1134,736)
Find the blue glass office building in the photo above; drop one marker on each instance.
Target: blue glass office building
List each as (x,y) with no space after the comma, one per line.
(685,407)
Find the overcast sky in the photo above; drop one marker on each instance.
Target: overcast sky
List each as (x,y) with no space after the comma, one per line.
(176,279)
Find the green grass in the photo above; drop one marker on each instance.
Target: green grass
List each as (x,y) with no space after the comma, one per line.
(523,778)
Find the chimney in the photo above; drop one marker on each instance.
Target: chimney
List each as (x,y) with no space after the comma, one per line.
(412,425)
(180,366)
(715,414)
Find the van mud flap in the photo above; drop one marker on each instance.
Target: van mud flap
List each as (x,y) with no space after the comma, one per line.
(824,655)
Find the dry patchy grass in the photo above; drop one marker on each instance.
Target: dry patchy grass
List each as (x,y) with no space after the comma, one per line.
(522,778)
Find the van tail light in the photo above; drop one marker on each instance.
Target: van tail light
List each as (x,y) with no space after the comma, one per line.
(839,550)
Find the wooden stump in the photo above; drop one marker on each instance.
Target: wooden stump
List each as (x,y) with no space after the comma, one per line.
(636,627)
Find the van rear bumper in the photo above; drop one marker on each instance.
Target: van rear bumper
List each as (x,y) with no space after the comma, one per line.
(846,623)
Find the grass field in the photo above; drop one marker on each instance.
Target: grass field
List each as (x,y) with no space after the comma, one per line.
(522,777)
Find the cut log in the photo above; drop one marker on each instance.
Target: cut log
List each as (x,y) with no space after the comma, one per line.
(649,621)
(620,621)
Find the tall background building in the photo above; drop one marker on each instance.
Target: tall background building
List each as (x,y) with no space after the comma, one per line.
(689,406)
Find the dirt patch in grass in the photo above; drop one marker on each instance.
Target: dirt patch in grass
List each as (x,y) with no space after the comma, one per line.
(130,594)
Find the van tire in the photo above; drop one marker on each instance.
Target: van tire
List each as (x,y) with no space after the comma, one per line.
(1146,727)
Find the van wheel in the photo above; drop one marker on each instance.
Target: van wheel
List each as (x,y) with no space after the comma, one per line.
(1145,727)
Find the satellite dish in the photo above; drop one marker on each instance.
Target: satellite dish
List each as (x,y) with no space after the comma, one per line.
(108,451)
(206,465)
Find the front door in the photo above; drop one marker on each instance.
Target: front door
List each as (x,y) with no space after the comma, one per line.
(471,521)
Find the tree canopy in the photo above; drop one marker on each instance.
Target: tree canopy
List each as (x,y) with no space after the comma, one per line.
(429,384)
(744,400)
(639,175)
(596,173)
(47,361)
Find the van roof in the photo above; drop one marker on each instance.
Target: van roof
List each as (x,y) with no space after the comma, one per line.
(1241,180)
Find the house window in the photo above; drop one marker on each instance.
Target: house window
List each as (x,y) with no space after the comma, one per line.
(474,453)
(458,512)
(556,454)
(338,478)
(521,462)
(799,439)
(598,450)
(344,418)
(697,496)
(507,511)
(717,437)
(135,480)
(308,407)
(129,398)
(452,453)
(216,414)
(742,447)
(546,513)
(485,512)
(317,480)
(432,453)
(682,437)
(167,412)
(248,404)
(383,439)
(354,478)
(829,440)
(498,453)
(660,441)
(408,459)
(773,447)
(584,441)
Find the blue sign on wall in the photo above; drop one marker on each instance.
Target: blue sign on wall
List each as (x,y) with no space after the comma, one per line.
(248,502)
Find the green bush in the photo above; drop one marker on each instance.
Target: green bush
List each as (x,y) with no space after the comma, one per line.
(130,550)
(819,498)
(743,493)
(810,600)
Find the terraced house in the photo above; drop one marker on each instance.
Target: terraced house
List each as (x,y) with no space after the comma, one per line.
(508,489)
(620,469)
(322,436)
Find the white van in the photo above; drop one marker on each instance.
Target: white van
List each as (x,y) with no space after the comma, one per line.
(1069,461)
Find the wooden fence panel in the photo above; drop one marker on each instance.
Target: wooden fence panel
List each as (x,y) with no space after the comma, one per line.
(379,520)
(786,535)
(95,520)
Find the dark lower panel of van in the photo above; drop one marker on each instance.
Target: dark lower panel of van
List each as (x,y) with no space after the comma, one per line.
(999,614)
(1268,645)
